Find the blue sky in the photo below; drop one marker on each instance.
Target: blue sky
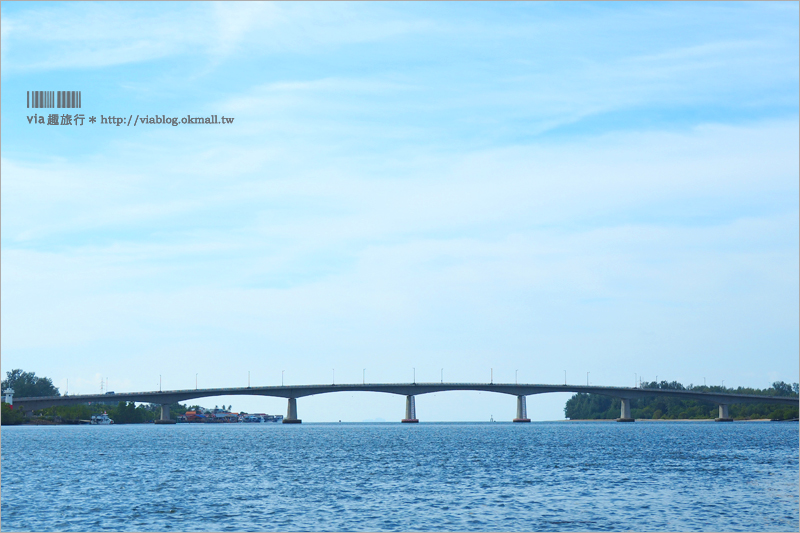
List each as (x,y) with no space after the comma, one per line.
(604,188)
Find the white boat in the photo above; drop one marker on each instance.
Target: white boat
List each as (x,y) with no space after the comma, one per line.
(260,418)
(102,420)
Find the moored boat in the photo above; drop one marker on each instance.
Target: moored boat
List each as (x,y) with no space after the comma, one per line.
(101,420)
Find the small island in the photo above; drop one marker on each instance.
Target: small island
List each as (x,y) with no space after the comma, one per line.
(584,406)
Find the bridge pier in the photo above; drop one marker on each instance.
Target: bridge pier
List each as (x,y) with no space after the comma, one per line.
(291,413)
(522,410)
(625,411)
(411,411)
(723,414)
(165,415)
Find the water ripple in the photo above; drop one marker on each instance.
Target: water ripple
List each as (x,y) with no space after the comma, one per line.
(390,477)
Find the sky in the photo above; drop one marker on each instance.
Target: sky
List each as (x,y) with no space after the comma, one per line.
(527,192)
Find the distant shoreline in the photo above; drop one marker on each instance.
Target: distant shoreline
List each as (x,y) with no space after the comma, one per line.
(40,422)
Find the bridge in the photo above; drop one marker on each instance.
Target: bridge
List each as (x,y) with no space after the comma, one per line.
(409,390)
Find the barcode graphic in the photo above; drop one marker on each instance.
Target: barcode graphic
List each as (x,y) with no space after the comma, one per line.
(60,99)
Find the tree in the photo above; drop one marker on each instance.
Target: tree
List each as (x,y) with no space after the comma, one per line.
(584,406)
(782,389)
(177,409)
(124,413)
(128,413)
(27,384)
(10,416)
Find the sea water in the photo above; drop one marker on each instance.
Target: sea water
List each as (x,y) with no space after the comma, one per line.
(560,476)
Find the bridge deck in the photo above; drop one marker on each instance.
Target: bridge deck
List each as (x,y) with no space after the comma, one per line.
(404,389)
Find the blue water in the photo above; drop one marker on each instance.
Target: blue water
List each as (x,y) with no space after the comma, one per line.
(562,476)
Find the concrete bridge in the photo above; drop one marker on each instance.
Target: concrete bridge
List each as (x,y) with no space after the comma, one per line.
(409,390)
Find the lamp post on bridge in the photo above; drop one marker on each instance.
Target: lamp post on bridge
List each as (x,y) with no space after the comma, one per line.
(565,377)
(364,377)
(333,380)
(415,375)
(587,379)
(516,381)
(195,381)
(282,371)
(635,379)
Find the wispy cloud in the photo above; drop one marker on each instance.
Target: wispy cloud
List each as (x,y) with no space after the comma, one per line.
(529,185)
(95,35)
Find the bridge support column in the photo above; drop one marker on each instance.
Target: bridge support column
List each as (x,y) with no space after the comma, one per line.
(723,414)
(522,410)
(291,413)
(165,415)
(411,411)
(625,411)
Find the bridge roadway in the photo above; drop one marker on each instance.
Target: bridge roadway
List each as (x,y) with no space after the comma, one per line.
(409,390)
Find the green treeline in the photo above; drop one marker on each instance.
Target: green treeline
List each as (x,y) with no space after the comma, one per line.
(584,406)
(27,384)
(122,413)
